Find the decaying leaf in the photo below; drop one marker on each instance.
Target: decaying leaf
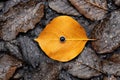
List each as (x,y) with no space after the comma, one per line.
(92,9)
(66,76)
(111,68)
(10,3)
(2,46)
(47,71)
(112,65)
(1,5)
(98,3)
(20,18)
(62,39)
(89,58)
(115,57)
(30,52)
(107,33)
(117,2)
(10,72)
(82,71)
(85,65)
(62,6)
(14,50)
(8,65)
(110,77)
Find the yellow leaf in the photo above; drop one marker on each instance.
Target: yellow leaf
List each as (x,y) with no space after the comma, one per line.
(62,39)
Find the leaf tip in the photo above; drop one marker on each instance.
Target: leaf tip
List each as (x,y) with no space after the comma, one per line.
(36,39)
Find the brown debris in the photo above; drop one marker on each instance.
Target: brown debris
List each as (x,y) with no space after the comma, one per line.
(21,18)
(30,51)
(117,2)
(112,65)
(98,3)
(10,72)
(94,10)
(107,33)
(37,66)
(82,71)
(111,68)
(2,46)
(1,5)
(63,6)
(112,77)
(8,65)
(85,66)
(66,76)
(10,3)
(47,71)
(115,57)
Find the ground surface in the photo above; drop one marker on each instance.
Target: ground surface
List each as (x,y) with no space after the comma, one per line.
(21,58)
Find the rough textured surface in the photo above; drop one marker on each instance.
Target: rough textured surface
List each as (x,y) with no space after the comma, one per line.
(62,6)
(106,66)
(98,3)
(20,18)
(2,46)
(85,66)
(117,2)
(112,65)
(47,71)
(14,50)
(66,76)
(8,65)
(82,71)
(110,78)
(89,58)
(90,9)
(111,68)
(35,32)
(1,6)
(107,34)
(10,3)
(30,52)
(116,56)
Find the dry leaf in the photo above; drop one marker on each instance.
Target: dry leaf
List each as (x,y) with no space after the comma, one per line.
(20,18)
(63,6)
(10,3)
(115,57)
(8,65)
(107,33)
(111,68)
(112,64)
(46,71)
(85,65)
(117,2)
(14,50)
(10,72)
(2,46)
(98,3)
(66,76)
(110,77)
(92,9)
(30,52)
(53,44)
